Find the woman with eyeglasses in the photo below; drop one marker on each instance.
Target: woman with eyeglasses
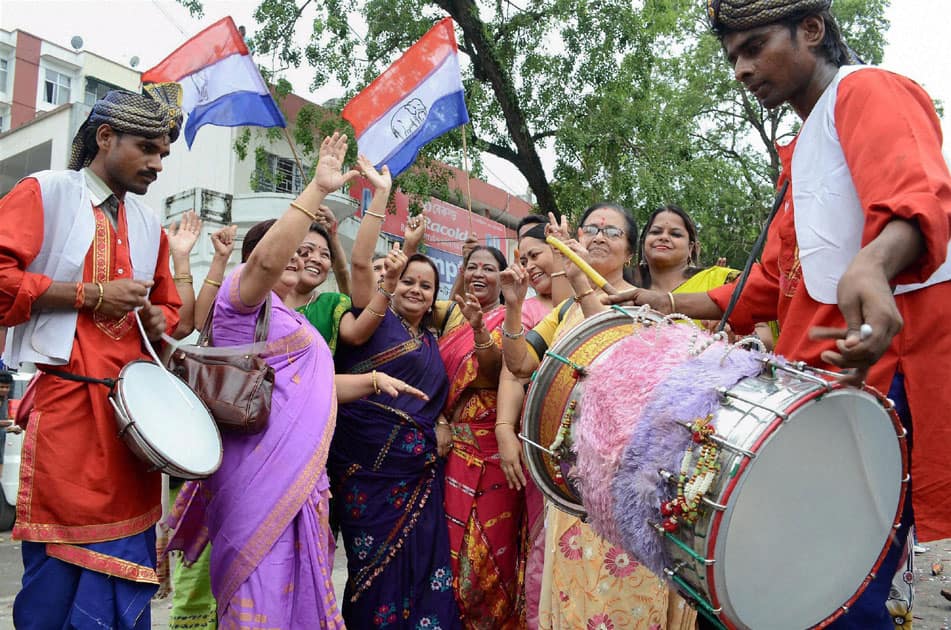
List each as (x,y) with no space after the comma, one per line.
(587,582)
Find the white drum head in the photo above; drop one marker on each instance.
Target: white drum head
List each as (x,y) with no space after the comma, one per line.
(170,417)
(819,500)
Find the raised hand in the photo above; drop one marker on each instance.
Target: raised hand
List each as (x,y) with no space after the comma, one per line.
(471,243)
(393,266)
(514,283)
(223,241)
(556,228)
(326,218)
(329,174)
(413,232)
(380,180)
(183,235)
(471,309)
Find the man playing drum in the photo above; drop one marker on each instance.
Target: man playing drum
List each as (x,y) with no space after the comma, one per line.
(77,257)
(855,263)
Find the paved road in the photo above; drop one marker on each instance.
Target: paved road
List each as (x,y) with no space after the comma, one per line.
(931,611)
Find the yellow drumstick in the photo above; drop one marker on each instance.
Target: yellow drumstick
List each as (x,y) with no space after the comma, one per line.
(593,275)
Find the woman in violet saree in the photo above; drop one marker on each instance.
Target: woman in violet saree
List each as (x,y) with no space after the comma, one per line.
(385,465)
(270,565)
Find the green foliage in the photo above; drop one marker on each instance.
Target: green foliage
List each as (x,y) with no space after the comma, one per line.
(635,98)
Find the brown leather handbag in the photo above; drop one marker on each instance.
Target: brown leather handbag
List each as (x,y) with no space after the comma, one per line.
(236,387)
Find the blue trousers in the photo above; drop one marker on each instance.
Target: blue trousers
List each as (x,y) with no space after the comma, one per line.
(57,595)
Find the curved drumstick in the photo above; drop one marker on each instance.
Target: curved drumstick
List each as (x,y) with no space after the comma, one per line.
(588,270)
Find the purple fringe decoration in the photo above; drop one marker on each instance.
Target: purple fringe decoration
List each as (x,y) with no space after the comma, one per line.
(658,442)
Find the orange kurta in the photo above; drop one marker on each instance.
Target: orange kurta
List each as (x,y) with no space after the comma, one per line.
(79,483)
(891,139)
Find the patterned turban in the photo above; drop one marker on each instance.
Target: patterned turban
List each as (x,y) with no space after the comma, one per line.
(742,15)
(156,113)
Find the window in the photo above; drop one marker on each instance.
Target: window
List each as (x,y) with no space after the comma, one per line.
(95,90)
(56,88)
(277,174)
(4,73)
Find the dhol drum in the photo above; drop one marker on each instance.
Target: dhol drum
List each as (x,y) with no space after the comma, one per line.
(764,491)
(164,422)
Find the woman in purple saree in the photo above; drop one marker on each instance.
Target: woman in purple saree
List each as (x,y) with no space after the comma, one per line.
(265,509)
(387,475)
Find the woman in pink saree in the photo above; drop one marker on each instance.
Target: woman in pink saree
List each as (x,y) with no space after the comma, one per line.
(265,510)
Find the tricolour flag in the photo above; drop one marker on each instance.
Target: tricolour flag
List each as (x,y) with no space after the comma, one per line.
(220,83)
(415,100)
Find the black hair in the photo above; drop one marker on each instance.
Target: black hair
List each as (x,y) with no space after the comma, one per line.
(693,259)
(537,231)
(6,378)
(832,47)
(630,230)
(253,236)
(317,228)
(530,220)
(428,317)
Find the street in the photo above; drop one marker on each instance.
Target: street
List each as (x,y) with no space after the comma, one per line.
(931,610)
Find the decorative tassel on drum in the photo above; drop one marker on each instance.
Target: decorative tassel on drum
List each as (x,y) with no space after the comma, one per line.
(616,390)
(659,441)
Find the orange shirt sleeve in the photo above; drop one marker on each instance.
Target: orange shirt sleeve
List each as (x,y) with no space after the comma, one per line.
(21,237)
(164,294)
(891,138)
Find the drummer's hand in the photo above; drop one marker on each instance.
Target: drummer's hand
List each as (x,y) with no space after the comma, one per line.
(510,452)
(638,297)
(123,296)
(153,319)
(443,437)
(513,280)
(393,387)
(864,297)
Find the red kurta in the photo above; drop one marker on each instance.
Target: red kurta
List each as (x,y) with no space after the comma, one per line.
(79,483)
(891,138)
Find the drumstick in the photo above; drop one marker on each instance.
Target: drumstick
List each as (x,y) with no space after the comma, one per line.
(589,271)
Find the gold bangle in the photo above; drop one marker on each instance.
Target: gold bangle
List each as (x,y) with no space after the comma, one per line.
(673,304)
(578,298)
(310,215)
(557,273)
(499,423)
(378,314)
(213,283)
(376,388)
(98,301)
(381,217)
(442,422)
(484,346)
(183,277)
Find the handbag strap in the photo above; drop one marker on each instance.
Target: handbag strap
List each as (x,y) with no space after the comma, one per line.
(261,325)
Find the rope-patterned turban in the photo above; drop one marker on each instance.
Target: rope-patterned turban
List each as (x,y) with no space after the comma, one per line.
(156,113)
(742,15)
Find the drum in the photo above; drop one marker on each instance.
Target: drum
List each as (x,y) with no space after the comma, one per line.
(765,492)
(164,422)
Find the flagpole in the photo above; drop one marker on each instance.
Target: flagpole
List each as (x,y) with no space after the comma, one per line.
(290,143)
(465,166)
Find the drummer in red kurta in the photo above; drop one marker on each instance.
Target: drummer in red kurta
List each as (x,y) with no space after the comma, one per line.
(866,217)
(77,255)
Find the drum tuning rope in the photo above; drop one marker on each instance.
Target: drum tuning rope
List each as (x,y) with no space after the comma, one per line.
(178,384)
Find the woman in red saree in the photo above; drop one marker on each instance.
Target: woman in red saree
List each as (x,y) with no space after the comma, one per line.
(483,513)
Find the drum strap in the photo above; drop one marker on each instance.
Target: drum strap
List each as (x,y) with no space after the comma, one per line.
(69,376)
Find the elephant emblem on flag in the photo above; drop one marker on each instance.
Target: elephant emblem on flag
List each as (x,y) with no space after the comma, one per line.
(408,118)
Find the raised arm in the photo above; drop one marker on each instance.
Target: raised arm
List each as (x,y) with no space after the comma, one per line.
(356,331)
(518,359)
(182,237)
(270,257)
(223,243)
(413,234)
(361,258)
(340,267)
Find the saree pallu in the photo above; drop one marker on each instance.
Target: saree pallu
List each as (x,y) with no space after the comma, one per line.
(484,515)
(265,509)
(389,486)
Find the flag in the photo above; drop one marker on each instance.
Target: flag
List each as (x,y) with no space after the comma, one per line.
(415,100)
(220,83)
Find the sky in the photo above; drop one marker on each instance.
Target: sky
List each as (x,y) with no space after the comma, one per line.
(918,45)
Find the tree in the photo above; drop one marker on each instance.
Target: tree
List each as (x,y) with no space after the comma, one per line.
(635,97)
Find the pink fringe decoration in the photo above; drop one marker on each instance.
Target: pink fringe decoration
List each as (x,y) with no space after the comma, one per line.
(616,390)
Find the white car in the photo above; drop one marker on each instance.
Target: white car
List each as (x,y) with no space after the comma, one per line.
(10,474)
